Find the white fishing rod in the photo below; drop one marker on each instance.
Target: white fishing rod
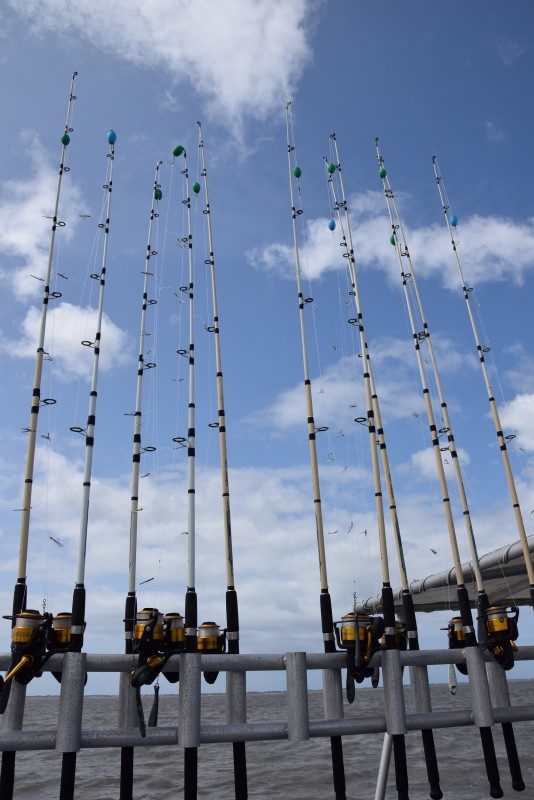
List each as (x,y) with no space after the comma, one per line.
(451,222)
(342,209)
(138,449)
(498,628)
(327,620)
(68,769)
(232,612)
(424,336)
(20,589)
(144,629)
(398,239)
(191,599)
(20,592)
(233,629)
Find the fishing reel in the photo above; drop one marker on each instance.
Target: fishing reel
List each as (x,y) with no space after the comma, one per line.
(211,639)
(456,635)
(156,638)
(34,638)
(360,635)
(500,632)
(147,644)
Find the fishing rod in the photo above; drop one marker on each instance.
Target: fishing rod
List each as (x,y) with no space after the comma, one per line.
(21,619)
(77,627)
(20,591)
(411,632)
(191,618)
(501,647)
(327,619)
(143,630)
(462,633)
(451,222)
(497,626)
(232,612)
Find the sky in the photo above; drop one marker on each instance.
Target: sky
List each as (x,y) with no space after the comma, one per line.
(449,80)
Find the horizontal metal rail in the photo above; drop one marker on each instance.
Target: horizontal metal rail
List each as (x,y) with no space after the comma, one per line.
(69,736)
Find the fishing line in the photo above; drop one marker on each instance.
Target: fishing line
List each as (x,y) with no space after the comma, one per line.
(393,633)
(367,579)
(229,639)
(83,307)
(462,627)
(19,614)
(207,342)
(451,222)
(77,616)
(327,620)
(142,629)
(48,356)
(487,347)
(500,628)
(151,468)
(180,294)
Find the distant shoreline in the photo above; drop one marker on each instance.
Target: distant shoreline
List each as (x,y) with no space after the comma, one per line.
(267,691)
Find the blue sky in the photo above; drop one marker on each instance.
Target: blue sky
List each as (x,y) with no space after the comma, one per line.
(448,80)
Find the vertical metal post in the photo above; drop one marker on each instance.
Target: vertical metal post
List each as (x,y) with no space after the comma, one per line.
(298,723)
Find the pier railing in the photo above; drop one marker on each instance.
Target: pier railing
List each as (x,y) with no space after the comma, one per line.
(489,700)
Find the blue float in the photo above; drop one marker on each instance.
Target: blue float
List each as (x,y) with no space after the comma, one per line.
(453,220)
(332,224)
(112,137)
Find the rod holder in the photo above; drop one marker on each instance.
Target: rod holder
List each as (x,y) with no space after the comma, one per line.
(69,728)
(127,717)
(498,685)
(332,694)
(236,697)
(478,687)
(189,700)
(420,689)
(11,719)
(298,722)
(393,692)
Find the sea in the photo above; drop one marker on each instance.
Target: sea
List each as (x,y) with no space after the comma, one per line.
(277,770)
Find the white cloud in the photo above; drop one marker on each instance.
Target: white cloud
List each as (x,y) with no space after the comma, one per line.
(490,248)
(521,371)
(274,538)
(424,463)
(24,231)
(243,58)
(274,534)
(67,327)
(518,416)
(338,393)
(333,395)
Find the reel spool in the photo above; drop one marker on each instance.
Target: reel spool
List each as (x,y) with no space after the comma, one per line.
(59,637)
(501,631)
(211,640)
(173,640)
(456,635)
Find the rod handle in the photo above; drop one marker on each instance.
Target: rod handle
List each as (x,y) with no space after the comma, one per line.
(401,767)
(490,760)
(518,783)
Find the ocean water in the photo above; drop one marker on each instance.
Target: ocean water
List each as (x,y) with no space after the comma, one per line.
(276,770)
